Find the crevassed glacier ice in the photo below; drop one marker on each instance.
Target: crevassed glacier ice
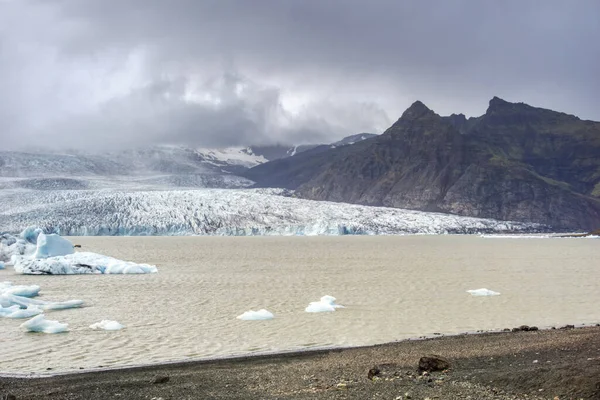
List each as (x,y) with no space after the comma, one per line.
(256,315)
(52,245)
(236,212)
(326,304)
(41,324)
(80,263)
(482,292)
(107,325)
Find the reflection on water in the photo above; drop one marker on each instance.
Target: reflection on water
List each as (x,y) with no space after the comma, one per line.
(392,287)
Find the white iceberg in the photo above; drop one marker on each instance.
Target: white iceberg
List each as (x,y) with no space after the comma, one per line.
(41,324)
(326,304)
(17,312)
(80,263)
(19,290)
(107,325)
(52,245)
(1,265)
(256,315)
(7,300)
(482,292)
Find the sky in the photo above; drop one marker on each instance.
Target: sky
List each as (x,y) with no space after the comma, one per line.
(98,74)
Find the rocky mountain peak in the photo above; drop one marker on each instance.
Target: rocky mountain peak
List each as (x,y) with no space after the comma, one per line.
(415,111)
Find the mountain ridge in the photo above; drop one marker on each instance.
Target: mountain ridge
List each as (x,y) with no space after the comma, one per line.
(515,162)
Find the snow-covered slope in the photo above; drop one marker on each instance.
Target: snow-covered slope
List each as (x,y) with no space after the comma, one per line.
(232,156)
(220,212)
(142,161)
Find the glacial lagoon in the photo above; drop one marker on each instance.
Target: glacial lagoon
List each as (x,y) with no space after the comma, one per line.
(392,287)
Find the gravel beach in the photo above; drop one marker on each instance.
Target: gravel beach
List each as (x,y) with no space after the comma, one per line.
(541,364)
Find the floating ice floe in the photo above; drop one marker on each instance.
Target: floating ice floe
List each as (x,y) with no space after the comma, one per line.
(482,292)
(256,315)
(17,312)
(19,290)
(107,325)
(80,263)
(41,324)
(326,304)
(7,300)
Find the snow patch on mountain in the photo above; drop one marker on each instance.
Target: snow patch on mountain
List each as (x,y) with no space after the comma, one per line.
(240,156)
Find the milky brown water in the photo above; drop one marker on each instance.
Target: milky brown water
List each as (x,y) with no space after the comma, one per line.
(393,288)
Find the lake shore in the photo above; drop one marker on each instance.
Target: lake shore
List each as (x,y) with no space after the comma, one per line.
(544,364)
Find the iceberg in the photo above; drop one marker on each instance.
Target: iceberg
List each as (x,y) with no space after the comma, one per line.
(17,312)
(107,325)
(482,292)
(256,315)
(30,234)
(19,290)
(7,300)
(2,265)
(52,245)
(80,263)
(41,324)
(326,304)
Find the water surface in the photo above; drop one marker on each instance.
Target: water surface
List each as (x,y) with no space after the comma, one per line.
(394,287)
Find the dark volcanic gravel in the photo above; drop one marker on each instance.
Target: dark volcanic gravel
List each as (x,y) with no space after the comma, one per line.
(545,364)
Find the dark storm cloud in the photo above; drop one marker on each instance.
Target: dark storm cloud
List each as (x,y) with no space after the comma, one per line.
(226,72)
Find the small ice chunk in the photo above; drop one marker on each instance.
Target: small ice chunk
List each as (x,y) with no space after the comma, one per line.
(6,311)
(19,290)
(107,325)
(326,304)
(7,299)
(16,312)
(41,324)
(256,315)
(52,245)
(482,292)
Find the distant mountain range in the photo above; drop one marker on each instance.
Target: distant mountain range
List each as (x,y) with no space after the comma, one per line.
(161,166)
(515,162)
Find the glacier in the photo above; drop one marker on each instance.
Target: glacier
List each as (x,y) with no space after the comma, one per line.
(234,212)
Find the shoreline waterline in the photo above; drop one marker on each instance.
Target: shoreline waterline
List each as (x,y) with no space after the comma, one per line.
(268,355)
